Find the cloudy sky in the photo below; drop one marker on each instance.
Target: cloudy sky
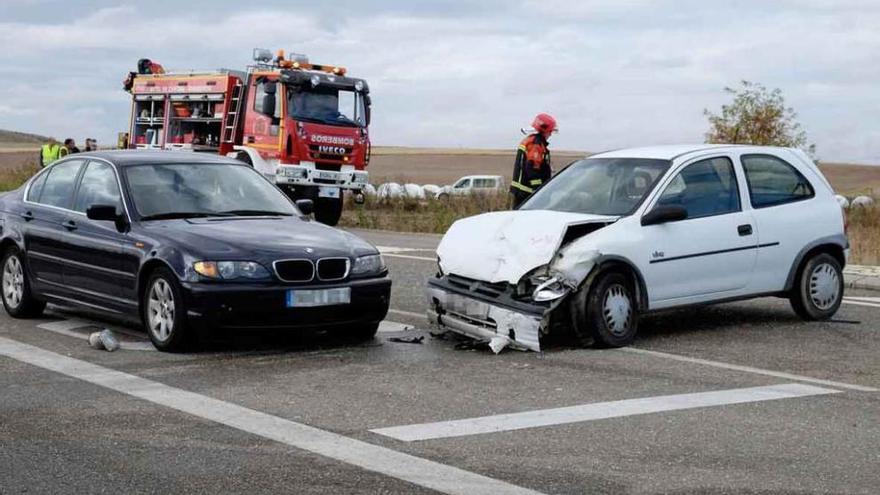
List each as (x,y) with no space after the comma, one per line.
(450,73)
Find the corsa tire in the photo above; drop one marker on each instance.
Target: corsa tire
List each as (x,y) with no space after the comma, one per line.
(818,288)
(18,299)
(329,210)
(607,315)
(163,312)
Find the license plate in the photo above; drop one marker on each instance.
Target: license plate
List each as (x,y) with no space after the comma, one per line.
(327,175)
(328,192)
(310,298)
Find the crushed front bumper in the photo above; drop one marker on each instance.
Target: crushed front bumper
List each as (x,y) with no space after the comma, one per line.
(476,317)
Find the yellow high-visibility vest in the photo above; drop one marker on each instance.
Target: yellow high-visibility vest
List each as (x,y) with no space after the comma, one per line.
(50,153)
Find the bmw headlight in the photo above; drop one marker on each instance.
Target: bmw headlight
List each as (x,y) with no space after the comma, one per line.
(372,264)
(231,270)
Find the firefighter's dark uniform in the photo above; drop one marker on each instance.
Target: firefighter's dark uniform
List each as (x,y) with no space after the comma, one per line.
(531,168)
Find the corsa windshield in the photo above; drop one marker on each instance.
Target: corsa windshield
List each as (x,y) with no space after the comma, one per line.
(326,105)
(187,190)
(601,186)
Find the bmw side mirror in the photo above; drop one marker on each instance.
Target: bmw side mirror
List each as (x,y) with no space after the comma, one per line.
(102,213)
(107,213)
(306,206)
(663,214)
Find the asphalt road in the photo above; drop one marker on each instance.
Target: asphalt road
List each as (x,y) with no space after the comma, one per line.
(736,398)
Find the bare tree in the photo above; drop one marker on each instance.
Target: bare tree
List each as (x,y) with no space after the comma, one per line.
(757,116)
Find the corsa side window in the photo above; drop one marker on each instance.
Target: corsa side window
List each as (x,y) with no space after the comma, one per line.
(704,188)
(773,181)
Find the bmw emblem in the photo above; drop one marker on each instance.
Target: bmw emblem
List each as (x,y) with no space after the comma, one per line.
(309,251)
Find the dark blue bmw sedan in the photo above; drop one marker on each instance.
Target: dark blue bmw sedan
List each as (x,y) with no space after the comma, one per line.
(183,243)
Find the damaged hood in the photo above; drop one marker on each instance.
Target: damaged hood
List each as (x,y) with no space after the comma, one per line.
(503,246)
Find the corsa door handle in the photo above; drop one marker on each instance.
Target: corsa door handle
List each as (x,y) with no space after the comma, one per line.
(744,230)
(69,225)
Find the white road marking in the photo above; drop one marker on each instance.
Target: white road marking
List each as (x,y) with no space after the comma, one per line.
(406,256)
(418,471)
(863,299)
(861,303)
(749,369)
(596,411)
(392,326)
(66,327)
(408,313)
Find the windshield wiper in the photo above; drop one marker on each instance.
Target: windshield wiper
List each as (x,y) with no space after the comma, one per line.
(184,214)
(255,213)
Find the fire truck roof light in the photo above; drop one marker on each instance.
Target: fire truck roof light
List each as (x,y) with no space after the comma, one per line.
(262,55)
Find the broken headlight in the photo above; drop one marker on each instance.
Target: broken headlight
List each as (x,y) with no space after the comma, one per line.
(540,285)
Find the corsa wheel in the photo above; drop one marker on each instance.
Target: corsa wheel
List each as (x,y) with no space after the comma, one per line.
(818,289)
(16,289)
(607,315)
(164,313)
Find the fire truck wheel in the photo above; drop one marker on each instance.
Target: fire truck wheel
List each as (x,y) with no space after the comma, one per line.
(328,210)
(242,156)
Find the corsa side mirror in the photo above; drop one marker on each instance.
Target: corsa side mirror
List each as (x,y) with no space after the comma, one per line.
(663,214)
(306,206)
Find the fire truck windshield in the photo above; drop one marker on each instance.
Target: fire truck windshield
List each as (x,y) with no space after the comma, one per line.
(326,105)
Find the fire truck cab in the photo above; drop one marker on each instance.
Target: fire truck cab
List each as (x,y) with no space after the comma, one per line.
(304,126)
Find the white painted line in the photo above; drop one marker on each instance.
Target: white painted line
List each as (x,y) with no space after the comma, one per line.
(406,256)
(421,472)
(596,411)
(861,303)
(66,327)
(749,369)
(863,299)
(411,314)
(393,249)
(391,326)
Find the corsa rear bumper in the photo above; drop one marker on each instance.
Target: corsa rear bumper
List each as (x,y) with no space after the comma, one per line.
(483,320)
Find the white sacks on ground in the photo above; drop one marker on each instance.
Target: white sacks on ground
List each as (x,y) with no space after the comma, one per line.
(431,190)
(369,190)
(390,190)
(414,191)
(842,201)
(862,202)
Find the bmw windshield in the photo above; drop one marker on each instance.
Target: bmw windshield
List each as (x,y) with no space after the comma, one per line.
(601,186)
(326,105)
(190,191)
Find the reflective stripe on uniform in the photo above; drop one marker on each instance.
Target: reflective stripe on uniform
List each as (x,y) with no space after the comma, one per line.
(536,182)
(523,148)
(522,187)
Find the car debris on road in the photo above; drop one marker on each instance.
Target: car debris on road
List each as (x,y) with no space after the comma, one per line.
(103,340)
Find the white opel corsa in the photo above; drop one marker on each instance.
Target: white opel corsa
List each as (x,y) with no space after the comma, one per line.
(633,231)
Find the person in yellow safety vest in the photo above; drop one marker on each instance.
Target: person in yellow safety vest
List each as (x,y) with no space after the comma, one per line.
(532,166)
(51,151)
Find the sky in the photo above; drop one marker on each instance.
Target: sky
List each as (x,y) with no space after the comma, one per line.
(470,73)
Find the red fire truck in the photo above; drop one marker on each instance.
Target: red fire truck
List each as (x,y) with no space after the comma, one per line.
(304,126)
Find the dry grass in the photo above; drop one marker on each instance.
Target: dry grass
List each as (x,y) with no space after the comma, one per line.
(12,177)
(864,235)
(427,216)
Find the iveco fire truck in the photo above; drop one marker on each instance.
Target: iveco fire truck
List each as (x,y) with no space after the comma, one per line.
(302,125)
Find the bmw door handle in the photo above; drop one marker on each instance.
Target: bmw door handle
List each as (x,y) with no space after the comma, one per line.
(744,230)
(69,225)
(28,216)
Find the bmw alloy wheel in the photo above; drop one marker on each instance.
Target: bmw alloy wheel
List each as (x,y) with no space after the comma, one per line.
(13,282)
(160,316)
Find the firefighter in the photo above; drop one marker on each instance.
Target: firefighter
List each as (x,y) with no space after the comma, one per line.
(50,152)
(532,166)
(91,144)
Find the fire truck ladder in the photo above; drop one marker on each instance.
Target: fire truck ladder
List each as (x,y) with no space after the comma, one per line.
(230,123)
